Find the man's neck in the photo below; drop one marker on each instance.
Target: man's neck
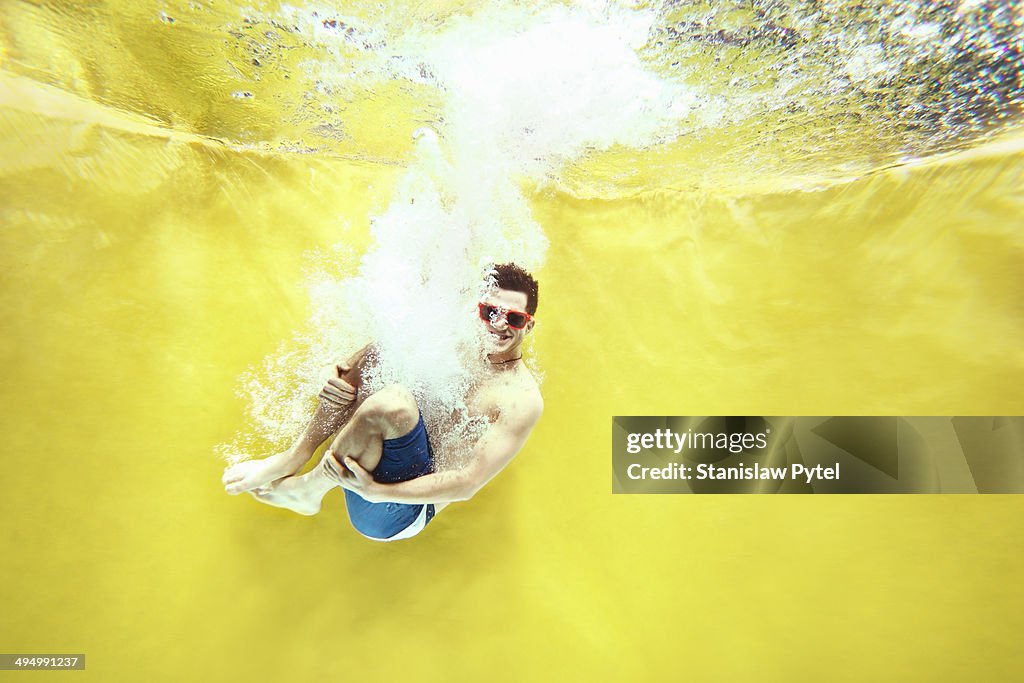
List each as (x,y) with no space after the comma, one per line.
(505,359)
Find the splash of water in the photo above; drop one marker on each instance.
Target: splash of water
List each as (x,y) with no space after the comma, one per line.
(776,91)
(523,96)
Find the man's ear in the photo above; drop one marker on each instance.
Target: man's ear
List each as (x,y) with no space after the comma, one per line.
(529,325)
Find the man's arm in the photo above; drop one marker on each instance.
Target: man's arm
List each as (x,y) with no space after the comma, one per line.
(492,453)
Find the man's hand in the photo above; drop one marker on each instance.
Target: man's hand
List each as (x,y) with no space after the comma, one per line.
(351,476)
(337,392)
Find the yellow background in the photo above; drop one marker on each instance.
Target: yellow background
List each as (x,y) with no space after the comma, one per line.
(143,271)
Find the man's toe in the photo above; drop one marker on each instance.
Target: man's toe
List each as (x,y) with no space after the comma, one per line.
(235,488)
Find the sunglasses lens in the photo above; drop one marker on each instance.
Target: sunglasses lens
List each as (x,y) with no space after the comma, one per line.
(492,314)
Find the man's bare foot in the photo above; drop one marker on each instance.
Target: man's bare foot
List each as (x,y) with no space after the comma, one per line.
(253,474)
(301,494)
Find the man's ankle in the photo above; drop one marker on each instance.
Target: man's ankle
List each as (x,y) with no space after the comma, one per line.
(293,459)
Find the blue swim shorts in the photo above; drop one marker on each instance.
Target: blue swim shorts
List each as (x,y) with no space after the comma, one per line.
(404,458)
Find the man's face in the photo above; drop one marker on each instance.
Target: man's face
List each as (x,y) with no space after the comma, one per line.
(502,338)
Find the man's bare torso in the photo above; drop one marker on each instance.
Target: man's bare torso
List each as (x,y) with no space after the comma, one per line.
(501,391)
(505,389)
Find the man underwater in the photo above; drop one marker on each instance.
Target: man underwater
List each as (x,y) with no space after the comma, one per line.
(381,454)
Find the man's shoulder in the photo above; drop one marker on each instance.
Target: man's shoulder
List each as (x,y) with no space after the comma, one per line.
(525,401)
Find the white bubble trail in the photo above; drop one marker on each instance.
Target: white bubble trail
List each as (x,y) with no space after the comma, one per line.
(524,93)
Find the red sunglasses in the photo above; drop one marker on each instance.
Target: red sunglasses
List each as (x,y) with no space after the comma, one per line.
(516,319)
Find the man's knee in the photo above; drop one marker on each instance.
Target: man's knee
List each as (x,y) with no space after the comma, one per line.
(393,409)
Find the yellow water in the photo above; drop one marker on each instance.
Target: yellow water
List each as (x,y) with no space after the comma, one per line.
(144,270)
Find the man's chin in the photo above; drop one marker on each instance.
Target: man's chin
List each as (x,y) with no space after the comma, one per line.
(494,346)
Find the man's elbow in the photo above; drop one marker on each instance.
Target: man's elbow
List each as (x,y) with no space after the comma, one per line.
(469,488)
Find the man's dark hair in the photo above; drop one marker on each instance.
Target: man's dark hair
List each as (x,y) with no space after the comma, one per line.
(513,278)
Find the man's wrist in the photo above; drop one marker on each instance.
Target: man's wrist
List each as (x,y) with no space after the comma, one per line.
(375,492)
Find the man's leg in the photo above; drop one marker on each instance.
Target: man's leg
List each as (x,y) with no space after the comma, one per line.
(388,414)
(252,474)
(327,419)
